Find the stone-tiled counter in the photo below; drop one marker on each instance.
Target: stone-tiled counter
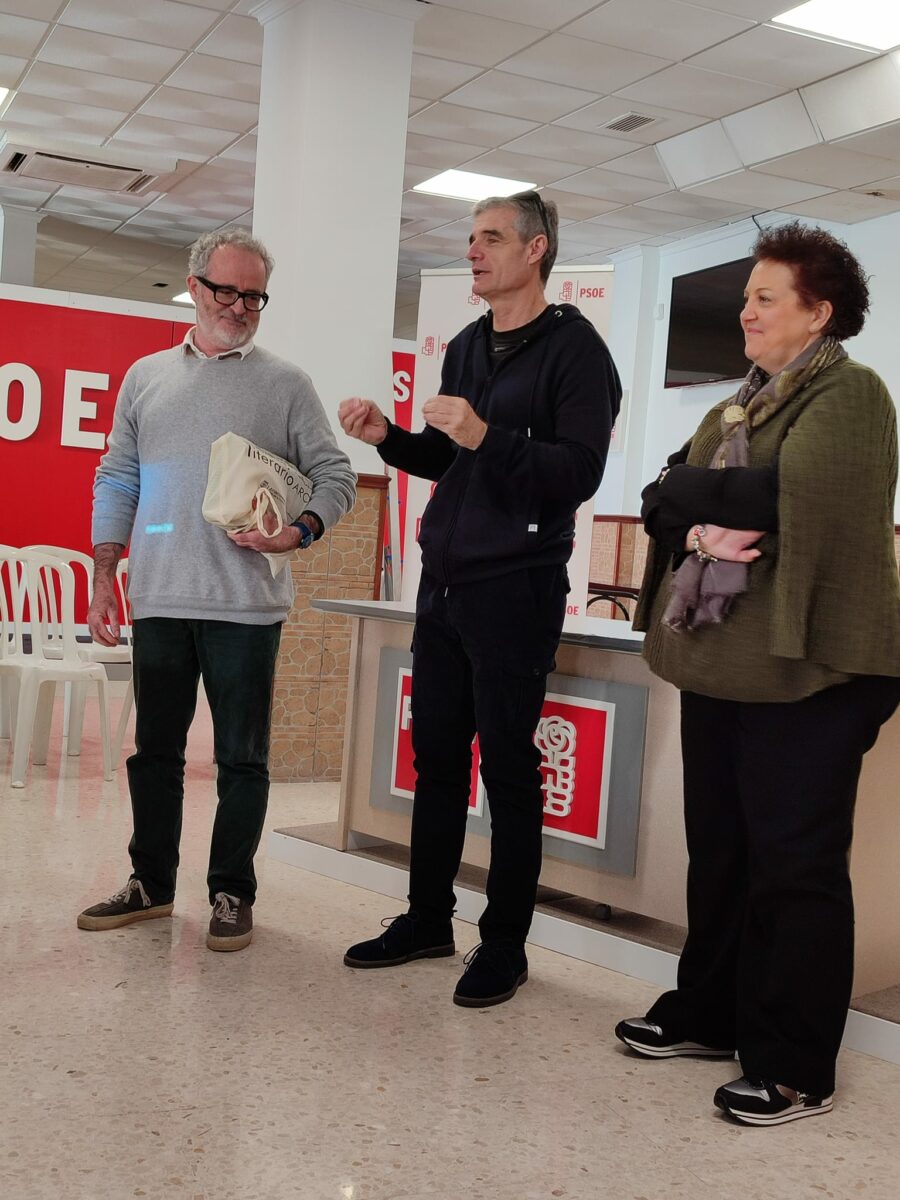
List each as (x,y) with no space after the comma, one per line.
(311,677)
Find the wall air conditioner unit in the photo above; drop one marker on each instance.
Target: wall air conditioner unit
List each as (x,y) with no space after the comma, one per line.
(101,168)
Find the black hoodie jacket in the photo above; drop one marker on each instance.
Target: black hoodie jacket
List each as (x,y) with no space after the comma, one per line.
(550,406)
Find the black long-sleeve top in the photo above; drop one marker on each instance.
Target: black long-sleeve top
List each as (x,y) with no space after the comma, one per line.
(549,406)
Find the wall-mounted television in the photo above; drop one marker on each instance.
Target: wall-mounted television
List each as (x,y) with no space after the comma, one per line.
(706,344)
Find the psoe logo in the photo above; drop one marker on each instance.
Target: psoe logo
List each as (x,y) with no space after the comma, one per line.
(591,293)
(473,299)
(428,345)
(565,292)
(574,736)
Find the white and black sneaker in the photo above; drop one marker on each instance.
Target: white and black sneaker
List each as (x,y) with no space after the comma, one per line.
(759,1102)
(646,1038)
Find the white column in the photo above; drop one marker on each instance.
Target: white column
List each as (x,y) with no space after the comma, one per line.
(18,239)
(329,180)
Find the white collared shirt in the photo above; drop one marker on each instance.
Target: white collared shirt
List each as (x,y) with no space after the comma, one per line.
(190,347)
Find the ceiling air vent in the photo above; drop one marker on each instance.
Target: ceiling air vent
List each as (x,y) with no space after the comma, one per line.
(628,122)
(94,167)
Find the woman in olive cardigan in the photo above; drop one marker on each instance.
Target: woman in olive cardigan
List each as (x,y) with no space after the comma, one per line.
(771,600)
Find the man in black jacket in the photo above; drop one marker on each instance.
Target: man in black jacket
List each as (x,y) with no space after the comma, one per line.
(516,440)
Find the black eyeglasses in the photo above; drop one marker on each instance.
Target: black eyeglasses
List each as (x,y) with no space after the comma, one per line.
(226,296)
(535,198)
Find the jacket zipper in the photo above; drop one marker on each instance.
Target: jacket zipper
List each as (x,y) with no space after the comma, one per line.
(488,383)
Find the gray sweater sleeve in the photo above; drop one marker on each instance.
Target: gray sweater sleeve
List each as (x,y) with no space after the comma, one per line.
(117,482)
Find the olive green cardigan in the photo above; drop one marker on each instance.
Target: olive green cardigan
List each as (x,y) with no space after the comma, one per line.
(823,601)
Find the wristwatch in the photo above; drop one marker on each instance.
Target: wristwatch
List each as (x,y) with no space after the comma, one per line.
(307,537)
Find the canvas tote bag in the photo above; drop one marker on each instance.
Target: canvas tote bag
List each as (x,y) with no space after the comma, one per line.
(245,482)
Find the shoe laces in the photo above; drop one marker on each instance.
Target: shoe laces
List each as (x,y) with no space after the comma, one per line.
(489,950)
(226,908)
(124,896)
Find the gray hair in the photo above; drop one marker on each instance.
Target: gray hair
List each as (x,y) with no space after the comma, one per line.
(234,235)
(529,221)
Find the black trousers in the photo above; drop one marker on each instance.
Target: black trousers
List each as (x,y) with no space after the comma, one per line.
(237,663)
(769,795)
(481,655)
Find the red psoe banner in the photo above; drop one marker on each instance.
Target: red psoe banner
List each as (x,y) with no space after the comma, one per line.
(574,736)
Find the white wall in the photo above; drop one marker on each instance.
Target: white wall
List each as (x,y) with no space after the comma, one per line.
(662,419)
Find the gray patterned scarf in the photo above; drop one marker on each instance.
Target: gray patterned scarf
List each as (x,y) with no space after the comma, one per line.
(703,592)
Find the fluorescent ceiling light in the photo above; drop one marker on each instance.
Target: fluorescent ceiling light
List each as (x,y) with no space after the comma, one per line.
(873,24)
(183,298)
(466,185)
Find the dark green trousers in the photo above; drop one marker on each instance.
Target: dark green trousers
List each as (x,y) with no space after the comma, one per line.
(237,663)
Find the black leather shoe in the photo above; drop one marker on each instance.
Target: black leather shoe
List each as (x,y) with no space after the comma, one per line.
(642,1035)
(494,972)
(405,938)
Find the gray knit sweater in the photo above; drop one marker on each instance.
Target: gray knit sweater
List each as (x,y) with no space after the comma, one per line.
(150,483)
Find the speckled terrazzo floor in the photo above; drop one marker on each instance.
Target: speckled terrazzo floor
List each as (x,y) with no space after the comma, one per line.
(138,1064)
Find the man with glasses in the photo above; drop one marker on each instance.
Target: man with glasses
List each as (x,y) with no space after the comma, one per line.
(516,440)
(204,602)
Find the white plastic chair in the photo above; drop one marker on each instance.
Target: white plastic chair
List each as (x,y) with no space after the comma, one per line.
(73,720)
(40,577)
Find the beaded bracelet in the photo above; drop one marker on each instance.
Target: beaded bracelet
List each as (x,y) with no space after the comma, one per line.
(698,532)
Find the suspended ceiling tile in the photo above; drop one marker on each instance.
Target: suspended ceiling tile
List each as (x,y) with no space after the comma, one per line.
(173,137)
(884,188)
(416,104)
(82,202)
(578,208)
(586,233)
(162,23)
(239,39)
(779,126)
(699,154)
(644,163)
(216,77)
(41,10)
(779,57)
(108,55)
(413,260)
(577,63)
(198,108)
(756,10)
(501,92)
(84,87)
(10,70)
(458,123)
(438,152)
(483,41)
(706,93)
(646,220)
(539,13)
(831,165)
(610,185)
(52,119)
(20,36)
(571,145)
(857,100)
(243,150)
(30,196)
(664,27)
(525,167)
(752,188)
(883,143)
(439,209)
(666,122)
(688,204)
(433,78)
(848,207)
